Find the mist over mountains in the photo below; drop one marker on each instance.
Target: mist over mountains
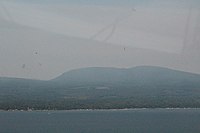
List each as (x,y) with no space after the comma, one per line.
(69,36)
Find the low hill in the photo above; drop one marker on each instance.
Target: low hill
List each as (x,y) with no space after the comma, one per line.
(142,75)
(104,88)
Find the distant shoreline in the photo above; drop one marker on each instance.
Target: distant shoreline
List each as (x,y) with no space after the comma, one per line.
(125,109)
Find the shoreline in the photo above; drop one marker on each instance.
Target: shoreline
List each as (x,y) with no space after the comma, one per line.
(125,109)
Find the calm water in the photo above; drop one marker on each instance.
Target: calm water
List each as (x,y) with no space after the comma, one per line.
(121,121)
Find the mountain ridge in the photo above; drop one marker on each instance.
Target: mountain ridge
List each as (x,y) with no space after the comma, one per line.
(104,88)
(131,68)
(134,74)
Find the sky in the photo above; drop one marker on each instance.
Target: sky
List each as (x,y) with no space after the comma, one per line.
(42,39)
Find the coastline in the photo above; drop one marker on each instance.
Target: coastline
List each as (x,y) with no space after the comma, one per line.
(125,109)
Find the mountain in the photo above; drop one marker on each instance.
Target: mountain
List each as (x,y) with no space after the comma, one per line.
(104,88)
(142,75)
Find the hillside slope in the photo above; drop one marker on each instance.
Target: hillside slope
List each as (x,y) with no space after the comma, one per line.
(104,88)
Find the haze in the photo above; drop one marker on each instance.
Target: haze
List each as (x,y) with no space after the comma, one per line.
(41,39)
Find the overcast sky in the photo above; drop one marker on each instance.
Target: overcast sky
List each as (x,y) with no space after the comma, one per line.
(43,38)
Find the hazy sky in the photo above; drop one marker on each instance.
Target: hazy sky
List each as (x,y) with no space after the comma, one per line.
(44,38)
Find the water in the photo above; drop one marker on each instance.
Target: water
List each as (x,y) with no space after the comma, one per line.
(110,121)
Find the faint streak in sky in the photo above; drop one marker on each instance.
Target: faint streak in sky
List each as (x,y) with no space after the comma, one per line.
(191,43)
(6,12)
(40,64)
(187,27)
(113,27)
(196,38)
(23,66)
(111,33)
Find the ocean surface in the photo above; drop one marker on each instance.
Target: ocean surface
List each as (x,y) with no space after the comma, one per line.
(102,121)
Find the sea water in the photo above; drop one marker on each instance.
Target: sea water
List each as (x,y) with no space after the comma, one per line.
(102,121)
